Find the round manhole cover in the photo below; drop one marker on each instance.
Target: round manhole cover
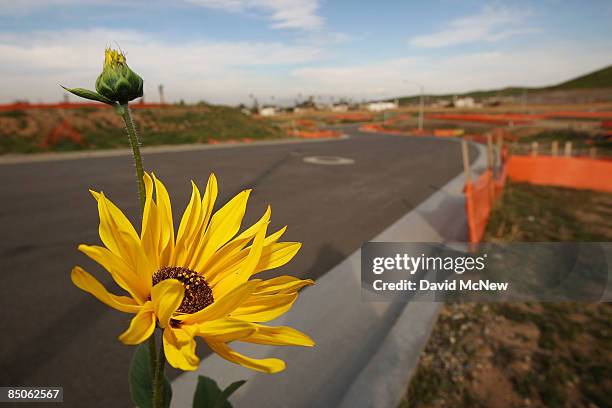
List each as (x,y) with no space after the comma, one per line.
(328,160)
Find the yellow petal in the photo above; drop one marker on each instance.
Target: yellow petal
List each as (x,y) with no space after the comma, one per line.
(223,306)
(115,230)
(266,365)
(141,326)
(229,254)
(224,224)
(148,182)
(197,239)
(88,283)
(164,210)
(273,255)
(277,255)
(255,228)
(167,296)
(225,330)
(179,348)
(180,336)
(246,269)
(210,197)
(272,238)
(263,308)
(281,284)
(279,336)
(150,231)
(122,273)
(190,226)
(120,238)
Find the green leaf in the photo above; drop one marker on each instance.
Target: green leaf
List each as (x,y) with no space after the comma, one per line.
(141,379)
(222,402)
(206,394)
(209,395)
(87,94)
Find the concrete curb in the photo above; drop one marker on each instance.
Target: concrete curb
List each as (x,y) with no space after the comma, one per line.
(440,218)
(59,156)
(366,351)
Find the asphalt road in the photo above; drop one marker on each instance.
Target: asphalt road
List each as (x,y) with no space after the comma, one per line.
(55,334)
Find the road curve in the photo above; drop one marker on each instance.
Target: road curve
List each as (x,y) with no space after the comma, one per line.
(55,334)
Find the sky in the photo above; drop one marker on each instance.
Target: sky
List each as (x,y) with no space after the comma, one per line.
(224,51)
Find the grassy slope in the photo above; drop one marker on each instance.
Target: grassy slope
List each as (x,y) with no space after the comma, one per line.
(598,79)
(25,131)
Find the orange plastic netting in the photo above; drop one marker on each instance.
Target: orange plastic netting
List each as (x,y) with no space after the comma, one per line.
(479,199)
(571,172)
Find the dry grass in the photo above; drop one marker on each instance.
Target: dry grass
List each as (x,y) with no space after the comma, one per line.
(27,131)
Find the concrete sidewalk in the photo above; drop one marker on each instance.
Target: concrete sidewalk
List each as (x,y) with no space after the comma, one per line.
(366,351)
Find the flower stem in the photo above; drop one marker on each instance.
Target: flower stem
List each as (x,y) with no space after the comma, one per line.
(152,352)
(124,111)
(158,379)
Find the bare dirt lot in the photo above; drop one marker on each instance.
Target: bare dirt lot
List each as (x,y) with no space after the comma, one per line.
(521,355)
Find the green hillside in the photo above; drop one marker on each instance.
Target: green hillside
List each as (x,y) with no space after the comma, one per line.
(598,79)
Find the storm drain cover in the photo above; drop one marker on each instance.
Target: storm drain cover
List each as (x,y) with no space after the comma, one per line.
(328,160)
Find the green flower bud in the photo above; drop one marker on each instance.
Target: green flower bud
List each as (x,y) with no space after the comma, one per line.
(118,82)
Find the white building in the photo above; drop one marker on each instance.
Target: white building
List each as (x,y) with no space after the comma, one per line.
(466,102)
(267,111)
(381,106)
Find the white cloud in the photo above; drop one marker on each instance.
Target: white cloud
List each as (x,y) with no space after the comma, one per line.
(490,25)
(283,14)
(32,66)
(530,66)
(293,14)
(21,7)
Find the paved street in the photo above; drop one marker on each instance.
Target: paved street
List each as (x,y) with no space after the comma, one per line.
(55,334)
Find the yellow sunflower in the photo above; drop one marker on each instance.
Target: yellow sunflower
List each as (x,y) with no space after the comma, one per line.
(197,283)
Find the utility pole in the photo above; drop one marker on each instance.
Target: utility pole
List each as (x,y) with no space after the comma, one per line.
(161,94)
(421,103)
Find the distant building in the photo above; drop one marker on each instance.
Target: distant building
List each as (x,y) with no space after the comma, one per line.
(464,102)
(441,103)
(300,109)
(381,106)
(267,111)
(340,107)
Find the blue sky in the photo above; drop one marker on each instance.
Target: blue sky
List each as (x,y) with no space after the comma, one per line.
(222,51)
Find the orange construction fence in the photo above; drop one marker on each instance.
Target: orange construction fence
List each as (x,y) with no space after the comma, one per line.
(315,134)
(516,118)
(379,128)
(571,172)
(448,132)
(73,105)
(480,197)
(63,131)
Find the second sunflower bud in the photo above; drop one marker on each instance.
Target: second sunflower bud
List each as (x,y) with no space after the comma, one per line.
(117,81)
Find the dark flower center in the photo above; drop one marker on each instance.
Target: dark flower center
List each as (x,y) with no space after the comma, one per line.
(198,294)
